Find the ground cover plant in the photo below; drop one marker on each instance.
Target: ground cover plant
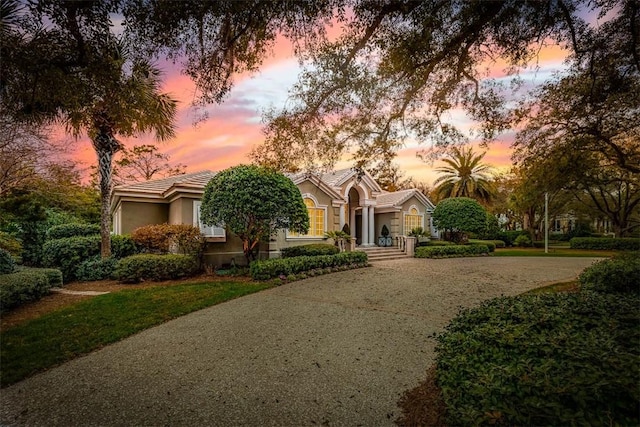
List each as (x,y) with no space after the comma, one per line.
(559,359)
(62,335)
(566,354)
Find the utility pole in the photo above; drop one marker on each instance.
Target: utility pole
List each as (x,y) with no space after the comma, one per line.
(546,222)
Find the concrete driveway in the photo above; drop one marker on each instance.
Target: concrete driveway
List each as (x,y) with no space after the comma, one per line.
(335,350)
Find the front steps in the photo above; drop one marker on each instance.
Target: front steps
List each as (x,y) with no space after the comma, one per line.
(377,253)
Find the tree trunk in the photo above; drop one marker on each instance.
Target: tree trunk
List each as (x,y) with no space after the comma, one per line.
(106,146)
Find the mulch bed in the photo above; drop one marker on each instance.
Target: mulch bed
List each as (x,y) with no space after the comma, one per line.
(423,405)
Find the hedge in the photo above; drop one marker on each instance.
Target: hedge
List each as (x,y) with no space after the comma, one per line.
(68,253)
(618,274)
(155,267)
(72,230)
(489,243)
(451,251)
(270,268)
(605,243)
(550,359)
(27,285)
(435,243)
(314,249)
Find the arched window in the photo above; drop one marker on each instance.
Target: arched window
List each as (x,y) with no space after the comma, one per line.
(412,219)
(316,219)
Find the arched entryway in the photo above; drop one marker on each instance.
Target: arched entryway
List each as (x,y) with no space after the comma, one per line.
(360,209)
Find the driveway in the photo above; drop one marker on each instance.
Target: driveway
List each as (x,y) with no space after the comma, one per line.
(335,350)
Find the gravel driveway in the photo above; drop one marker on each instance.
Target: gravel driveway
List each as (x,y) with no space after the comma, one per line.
(332,350)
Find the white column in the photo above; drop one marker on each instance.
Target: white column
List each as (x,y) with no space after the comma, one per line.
(372,228)
(341,216)
(352,222)
(365,225)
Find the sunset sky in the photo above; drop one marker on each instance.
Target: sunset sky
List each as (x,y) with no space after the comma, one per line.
(234,127)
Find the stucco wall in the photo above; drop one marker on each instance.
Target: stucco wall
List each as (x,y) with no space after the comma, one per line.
(181,211)
(391,221)
(137,214)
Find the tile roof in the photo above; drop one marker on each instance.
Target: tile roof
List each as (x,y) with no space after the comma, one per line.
(394,199)
(335,178)
(160,186)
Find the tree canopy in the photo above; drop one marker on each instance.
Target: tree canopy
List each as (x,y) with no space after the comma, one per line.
(460,215)
(253,202)
(398,69)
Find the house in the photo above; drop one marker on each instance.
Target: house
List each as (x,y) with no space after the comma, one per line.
(332,199)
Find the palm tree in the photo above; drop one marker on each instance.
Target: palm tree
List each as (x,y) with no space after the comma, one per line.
(464,176)
(127,104)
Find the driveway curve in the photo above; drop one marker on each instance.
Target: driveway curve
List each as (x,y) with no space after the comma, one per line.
(334,350)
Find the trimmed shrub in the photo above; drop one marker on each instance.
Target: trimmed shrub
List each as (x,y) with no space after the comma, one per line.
(155,267)
(452,251)
(509,236)
(488,243)
(270,268)
(619,274)
(314,249)
(523,241)
(7,264)
(72,230)
(69,252)
(96,269)
(548,359)
(26,285)
(123,246)
(605,243)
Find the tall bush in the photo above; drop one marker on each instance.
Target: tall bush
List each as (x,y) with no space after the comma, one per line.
(166,238)
(69,253)
(460,215)
(72,230)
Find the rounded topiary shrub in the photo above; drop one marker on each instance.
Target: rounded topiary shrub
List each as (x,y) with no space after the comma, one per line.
(155,267)
(7,264)
(522,241)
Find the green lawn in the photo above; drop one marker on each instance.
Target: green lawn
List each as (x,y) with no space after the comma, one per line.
(553,252)
(79,329)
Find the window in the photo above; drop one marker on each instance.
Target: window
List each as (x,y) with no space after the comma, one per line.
(207,231)
(316,220)
(412,219)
